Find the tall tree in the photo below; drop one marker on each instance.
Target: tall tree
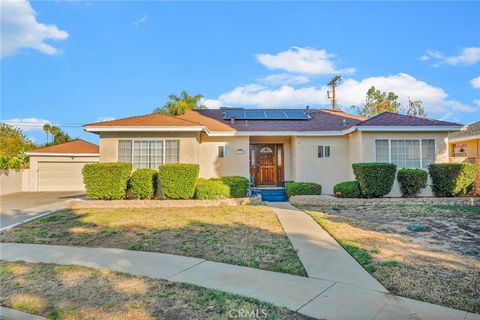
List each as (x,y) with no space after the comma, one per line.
(46,129)
(13,142)
(178,104)
(58,136)
(378,101)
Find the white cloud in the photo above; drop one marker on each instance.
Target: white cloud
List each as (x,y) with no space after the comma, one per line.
(20,29)
(27,124)
(302,60)
(284,78)
(142,19)
(467,56)
(475,82)
(211,103)
(102,119)
(350,92)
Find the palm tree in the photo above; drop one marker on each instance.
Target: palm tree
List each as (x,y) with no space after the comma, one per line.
(178,104)
(46,129)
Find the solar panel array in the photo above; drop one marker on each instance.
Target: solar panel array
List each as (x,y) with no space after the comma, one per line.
(288,114)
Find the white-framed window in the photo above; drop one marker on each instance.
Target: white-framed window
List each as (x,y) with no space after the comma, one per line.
(324,151)
(405,153)
(223,151)
(148,153)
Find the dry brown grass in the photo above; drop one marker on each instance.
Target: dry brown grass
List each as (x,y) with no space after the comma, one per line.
(244,235)
(101,294)
(421,265)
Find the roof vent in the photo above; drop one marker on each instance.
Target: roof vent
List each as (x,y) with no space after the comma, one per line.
(232,120)
(344,122)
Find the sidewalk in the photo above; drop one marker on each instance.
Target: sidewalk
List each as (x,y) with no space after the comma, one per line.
(320,254)
(321,299)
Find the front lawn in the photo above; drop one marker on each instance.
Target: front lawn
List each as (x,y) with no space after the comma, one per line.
(73,292)
(424,252)
(244,235)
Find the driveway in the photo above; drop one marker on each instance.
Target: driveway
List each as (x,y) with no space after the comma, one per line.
(17,207)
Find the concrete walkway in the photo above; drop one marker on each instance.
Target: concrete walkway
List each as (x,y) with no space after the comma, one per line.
(321,299)
(11,314)
(320,254)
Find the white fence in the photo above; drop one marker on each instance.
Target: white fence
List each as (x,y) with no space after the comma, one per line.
(12,181)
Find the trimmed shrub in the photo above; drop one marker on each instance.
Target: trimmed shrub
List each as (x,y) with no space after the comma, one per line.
(412,181)
(142,183)
(302,188)
(452,179)
(212,189)
(238,185)
(374,178)
(178,181)
(347,189)
(106,181)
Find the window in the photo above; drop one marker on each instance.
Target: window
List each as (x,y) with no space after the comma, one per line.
(253,149)
(148,153)
(324,151)
(406,153)
(223,151)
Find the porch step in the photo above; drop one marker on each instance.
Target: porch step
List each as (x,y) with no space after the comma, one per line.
(273,194)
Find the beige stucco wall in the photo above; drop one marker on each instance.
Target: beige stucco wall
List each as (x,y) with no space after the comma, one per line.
(34,160)
(325,171)
(236,164)
(12,181)
(441,151)
(473,148)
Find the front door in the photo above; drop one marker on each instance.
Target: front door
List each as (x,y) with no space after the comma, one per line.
(266,165)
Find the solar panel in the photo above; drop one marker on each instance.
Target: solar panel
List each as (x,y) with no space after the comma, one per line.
(270,114)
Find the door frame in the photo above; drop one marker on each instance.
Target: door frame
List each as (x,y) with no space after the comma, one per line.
(279,162)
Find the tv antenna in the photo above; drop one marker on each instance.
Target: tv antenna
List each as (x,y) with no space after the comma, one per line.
(331,95)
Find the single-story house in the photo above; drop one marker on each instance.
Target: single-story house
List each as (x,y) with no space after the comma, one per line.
(271,146)
(464,146)
(59,167)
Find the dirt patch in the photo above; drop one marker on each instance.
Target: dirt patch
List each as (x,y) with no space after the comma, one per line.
(108,295)
(244,235)
(425,252)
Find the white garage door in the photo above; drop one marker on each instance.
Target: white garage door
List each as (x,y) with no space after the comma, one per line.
(60,176)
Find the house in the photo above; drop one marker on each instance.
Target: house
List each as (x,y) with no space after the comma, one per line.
(464,146)
(272,146)
(59,167)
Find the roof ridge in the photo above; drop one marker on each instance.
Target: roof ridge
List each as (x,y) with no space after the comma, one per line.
(139,116)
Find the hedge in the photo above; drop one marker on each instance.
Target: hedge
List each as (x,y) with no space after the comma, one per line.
(452,179)
(212,189)
(347,189)
(178,181)
(375,178)
(106,181)
(412,181)
(238,185)
(142,183)
(302,188)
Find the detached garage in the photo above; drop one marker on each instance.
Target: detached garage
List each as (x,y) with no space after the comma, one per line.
(59,167)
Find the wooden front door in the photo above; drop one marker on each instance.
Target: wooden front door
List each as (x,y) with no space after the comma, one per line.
(267,167)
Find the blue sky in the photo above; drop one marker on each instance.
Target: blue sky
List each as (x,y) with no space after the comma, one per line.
(77,62)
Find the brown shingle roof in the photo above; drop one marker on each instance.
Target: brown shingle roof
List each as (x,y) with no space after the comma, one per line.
(472,130)
(395,119)
(76,146)
(147,120)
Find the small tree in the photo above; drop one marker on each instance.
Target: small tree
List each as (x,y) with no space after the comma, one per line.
(415,108)
(13,142)
(178,104)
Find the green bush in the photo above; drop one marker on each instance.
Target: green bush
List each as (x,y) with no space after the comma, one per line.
(238,185)
(212,189)
(452,179)
(106,181)
(142,183)
(412,181)
(347,189)
(178,181)
(302,188)
(374,178)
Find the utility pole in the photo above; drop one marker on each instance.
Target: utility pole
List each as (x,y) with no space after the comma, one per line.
(333,83)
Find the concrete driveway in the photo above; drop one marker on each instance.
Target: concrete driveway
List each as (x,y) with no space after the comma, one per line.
(18,207)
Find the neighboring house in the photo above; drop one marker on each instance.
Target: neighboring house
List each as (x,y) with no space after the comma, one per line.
(273,146)
(59,167)
(464,146)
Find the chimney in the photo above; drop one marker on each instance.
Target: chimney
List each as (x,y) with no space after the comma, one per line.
(307,108)
(232,120)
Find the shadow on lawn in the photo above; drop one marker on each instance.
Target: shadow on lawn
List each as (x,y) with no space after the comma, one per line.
(234,243)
